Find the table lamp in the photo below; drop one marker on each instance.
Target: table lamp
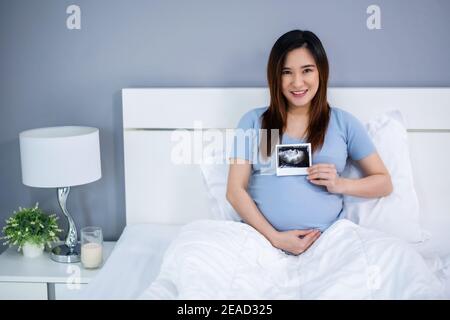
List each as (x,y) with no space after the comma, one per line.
(61,157)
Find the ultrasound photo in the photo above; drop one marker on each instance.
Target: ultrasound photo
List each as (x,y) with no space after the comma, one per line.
(293,159)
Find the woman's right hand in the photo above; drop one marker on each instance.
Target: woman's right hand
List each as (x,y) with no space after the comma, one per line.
(295,241)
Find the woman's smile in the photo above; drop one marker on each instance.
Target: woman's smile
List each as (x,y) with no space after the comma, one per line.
(299,94)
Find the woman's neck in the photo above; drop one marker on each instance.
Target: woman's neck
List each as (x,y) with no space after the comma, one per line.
(298,112)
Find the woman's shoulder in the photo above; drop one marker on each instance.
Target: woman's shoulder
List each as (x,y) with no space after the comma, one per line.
(338,112)
(255,113)
(252,118)
(342,117)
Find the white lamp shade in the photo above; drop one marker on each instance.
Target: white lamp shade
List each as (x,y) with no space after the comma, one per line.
(57,157)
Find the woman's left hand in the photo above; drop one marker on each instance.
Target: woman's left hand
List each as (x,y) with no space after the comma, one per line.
(325,174)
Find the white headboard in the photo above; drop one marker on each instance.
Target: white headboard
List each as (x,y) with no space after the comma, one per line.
(158,191)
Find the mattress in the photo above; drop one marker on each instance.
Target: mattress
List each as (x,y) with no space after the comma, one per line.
(137,257)
(133,264)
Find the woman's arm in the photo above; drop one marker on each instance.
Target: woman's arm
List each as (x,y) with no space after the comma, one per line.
(241,201)
(293,241)
(377,182)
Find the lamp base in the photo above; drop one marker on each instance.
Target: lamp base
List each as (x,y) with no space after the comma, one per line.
(63,254)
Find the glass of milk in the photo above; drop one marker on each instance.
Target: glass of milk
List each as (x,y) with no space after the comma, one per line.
(91,247)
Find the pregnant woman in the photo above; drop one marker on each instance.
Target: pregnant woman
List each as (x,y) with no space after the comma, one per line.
(292,211)
(268,257)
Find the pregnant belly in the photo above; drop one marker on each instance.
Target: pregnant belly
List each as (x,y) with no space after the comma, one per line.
(292,202)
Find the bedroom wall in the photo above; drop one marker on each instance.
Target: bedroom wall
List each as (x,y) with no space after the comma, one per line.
(52,75)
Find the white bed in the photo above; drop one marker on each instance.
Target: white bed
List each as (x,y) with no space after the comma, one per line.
(161,196)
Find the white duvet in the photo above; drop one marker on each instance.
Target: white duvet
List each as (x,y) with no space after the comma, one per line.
(230,260)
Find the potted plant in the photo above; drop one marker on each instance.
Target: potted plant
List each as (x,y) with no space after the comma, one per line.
(31,230)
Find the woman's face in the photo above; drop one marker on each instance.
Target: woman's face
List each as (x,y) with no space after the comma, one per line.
(299,78)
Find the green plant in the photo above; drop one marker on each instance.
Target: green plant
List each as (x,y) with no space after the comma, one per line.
(31,225)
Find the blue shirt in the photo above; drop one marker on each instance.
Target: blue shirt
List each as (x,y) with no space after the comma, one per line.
(292,202)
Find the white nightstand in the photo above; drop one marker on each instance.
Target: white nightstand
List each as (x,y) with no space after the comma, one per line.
(42,278)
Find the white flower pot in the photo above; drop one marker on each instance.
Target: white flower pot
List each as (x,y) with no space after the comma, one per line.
(32,250)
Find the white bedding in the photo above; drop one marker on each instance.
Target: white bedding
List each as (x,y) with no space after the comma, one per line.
(230,260)
(333,264)
(133,264)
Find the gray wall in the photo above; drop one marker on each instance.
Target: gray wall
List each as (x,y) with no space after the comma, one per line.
(53,76)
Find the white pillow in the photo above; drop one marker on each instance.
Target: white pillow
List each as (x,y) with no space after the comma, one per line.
(214,168)
(398,213)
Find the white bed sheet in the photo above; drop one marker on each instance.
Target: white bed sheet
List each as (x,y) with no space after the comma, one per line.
(137,257)
(231,260)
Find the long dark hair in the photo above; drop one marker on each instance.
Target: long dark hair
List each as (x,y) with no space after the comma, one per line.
(275,117)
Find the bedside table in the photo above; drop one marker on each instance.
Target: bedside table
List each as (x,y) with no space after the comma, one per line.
(42,278)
